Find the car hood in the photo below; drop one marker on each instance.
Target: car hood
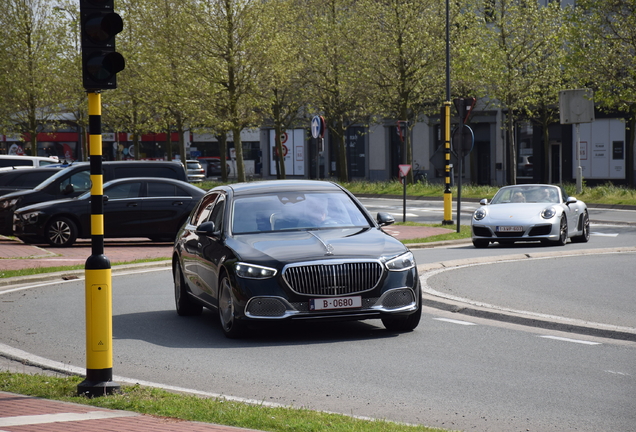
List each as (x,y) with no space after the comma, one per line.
(308,245)
(47,204)
(516,213)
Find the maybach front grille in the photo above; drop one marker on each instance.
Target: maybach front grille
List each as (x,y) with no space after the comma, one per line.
(333,279)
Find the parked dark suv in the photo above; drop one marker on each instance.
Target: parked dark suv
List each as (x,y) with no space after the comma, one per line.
(75,180)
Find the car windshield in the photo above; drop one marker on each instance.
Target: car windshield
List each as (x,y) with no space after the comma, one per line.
(527,194)
(295,211)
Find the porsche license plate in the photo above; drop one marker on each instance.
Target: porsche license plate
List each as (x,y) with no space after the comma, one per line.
(509,229)
(335,303)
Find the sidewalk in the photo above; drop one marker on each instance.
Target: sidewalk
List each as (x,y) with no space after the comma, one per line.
(29,414)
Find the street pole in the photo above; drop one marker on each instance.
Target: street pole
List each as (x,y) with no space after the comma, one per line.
(98,277)
(448,194)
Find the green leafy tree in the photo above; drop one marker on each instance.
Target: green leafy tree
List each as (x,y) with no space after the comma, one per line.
(405,42)
(603,43)
(517,41)
(338,79)
(228,36)
(31,57)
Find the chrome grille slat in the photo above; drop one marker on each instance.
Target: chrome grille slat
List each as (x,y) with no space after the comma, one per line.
(342,278)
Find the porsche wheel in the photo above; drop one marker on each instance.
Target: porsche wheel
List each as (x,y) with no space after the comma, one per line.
(232,328)
(61,232)
(563,232)
(585,230)
(480,244)
(185,305)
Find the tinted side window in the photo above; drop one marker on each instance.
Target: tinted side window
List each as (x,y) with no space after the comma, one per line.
(145,171)
(15,162)
(161,189)
(122,191)
(81,182)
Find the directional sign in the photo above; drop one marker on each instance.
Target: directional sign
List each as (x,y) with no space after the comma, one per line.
(317,127)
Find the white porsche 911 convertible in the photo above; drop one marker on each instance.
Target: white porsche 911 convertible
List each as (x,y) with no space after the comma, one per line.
(534,212)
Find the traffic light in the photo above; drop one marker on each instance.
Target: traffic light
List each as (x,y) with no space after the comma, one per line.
(464,106)
(100,61)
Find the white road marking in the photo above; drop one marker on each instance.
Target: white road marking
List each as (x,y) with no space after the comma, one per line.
(604,234)
(62,417)
(455,321)
(571,340)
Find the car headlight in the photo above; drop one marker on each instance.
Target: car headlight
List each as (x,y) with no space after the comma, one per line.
(252,271)
(30,217)
(548,213)
(479,214)
(5,204)
(403,262)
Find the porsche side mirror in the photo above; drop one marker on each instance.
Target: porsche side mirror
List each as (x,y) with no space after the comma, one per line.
(385,219)
(484,201)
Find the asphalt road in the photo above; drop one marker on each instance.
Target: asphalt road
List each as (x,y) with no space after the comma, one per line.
(454,371)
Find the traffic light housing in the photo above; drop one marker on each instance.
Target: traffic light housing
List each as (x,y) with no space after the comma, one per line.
(464,106)
(100,61)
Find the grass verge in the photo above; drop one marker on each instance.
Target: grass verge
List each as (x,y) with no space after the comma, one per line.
(41,270)
(193,408)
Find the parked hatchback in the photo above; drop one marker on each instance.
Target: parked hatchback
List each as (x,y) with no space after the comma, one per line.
(75,180)
(196,173)
(133,207)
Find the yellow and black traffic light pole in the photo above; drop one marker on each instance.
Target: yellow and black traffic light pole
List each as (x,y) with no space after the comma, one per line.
(446,130)
(98,284)
(100,65)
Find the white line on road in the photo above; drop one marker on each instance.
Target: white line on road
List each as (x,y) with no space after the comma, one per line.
(62,417)
(571,340)
(604,234)
(454,321)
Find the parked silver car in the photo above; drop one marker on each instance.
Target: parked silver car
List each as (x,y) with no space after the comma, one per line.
(536,212)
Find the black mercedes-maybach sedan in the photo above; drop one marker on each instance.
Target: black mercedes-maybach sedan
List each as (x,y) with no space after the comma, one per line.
(292,250)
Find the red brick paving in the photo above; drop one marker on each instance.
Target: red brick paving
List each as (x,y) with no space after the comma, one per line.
(14,408)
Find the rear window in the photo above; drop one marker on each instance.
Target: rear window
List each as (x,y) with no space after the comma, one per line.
(16,162)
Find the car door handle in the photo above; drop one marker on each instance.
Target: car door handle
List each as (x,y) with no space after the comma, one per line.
(131,204)
(177,203)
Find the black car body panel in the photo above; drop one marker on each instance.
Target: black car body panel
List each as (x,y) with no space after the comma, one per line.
(350,263)
(133,207)
(74,180)
(24,179)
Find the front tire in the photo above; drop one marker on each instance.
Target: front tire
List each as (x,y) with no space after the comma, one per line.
(585,230)
(480,244)
(232,328)
(61,232)
(186,306)
(403,324)
(563,232)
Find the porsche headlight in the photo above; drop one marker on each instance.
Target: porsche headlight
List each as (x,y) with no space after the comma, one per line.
(400,263)
(548,213)
(252,271)
(479,214)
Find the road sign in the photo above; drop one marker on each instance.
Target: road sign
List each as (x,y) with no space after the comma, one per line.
(317,127)
(404,170)
(468,140)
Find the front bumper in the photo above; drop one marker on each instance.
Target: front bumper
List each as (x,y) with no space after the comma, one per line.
(536,232)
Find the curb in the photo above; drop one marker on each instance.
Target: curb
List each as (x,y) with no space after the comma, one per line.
(77,274)
(468,307)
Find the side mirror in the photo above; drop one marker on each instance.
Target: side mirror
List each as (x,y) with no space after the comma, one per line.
(571,200)
(105,198)
(68,189)
(385,219)
(484,201)
(206,228)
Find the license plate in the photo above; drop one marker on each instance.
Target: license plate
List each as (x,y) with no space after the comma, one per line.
(509,229)
(335,303)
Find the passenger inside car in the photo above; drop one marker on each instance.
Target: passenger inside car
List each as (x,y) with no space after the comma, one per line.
(518,197)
